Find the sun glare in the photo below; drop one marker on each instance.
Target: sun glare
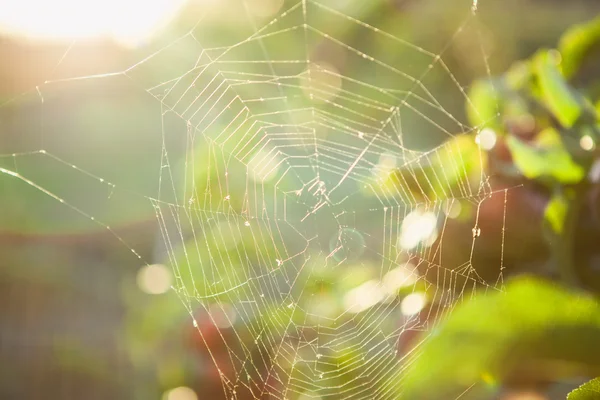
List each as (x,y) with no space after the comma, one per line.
(130,22)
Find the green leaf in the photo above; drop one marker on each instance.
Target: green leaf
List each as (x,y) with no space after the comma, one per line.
(545,158)
(555,213)
(535,331)
(576,43)
(588,391)
(558,96)
(482,109)
(437,175)
(518,75)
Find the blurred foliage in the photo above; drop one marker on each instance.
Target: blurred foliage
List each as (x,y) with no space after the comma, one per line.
(525,334)
(535,331)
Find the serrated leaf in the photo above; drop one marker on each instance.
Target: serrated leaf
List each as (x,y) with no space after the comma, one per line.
(556,93)
(588,391)
(546,158)
(535,330)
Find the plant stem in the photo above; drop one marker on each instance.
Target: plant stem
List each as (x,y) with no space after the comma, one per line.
(563,248)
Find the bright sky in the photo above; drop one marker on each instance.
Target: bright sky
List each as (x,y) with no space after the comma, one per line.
(127,21)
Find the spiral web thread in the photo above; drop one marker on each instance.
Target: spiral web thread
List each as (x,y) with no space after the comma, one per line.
(283,187)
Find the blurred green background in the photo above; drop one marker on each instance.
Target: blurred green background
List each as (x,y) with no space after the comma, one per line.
(109,163)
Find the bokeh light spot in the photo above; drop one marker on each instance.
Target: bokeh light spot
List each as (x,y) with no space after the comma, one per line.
(263,166)
(364,296)
(154,279)
(399,277)
(180,393)
(587,143)
(486,139)
(453,208)
(413,303)
(418,227)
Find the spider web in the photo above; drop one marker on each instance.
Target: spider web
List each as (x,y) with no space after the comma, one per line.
(280,221)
